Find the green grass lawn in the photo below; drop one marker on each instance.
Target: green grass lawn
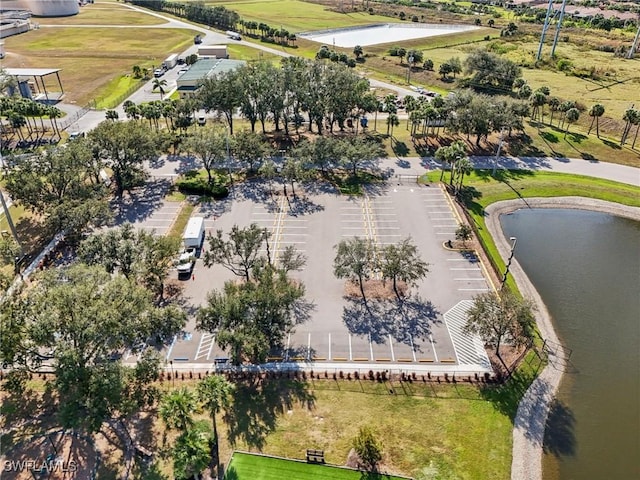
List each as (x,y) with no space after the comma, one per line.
(297,16)
(86,72)
(103,14)
(245,466)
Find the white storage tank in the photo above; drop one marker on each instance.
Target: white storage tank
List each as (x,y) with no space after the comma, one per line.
(48,8)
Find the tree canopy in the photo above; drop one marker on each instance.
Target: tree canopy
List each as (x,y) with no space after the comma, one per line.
(78,320)
(61,184)
(501,318)
(125,146)
(251,318)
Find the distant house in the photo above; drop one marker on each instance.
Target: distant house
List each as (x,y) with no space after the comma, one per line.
(191,80)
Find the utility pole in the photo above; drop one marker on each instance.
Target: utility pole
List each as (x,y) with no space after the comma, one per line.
(545,27)
(558,28)
(632,51)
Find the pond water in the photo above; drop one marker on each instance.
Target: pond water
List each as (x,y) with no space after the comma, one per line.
(380,33)
(586,267)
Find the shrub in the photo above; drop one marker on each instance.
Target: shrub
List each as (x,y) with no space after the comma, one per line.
(564,65)
(194,184)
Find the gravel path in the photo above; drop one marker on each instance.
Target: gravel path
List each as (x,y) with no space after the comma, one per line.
(529,424)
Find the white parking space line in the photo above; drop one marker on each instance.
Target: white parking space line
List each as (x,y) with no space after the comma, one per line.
(350,351)
(370,348)
(473,289)
(173,342)
(433,346)
(393,356)
(309,346)
(286,352)
(413,349)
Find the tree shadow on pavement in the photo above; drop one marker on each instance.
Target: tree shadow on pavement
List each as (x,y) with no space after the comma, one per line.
(380,318)
(141,202)
(258,403)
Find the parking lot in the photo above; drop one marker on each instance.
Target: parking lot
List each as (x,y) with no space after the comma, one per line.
(426,329)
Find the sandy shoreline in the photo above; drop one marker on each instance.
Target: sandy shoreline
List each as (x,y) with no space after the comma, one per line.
(529,424)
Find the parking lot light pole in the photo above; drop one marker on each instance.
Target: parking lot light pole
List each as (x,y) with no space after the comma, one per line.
(495,160)
(506,272)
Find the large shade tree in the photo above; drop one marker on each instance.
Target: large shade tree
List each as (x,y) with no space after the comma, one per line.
(354,260)
(252,318)
(125,146)
(402,262)
(79,320)
(500,318)
(61,185)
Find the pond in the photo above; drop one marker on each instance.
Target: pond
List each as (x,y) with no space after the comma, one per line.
(381,33)
(586,267)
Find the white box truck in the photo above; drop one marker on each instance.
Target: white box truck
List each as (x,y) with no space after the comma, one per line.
(192,240)
(193,233)
(233,35)
(170,61)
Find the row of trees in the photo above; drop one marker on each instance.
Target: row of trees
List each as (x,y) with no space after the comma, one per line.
(214,16)
(21,113)
(197,446)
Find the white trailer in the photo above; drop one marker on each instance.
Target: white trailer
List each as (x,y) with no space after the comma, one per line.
(193,233)
(217,51)
(170,61)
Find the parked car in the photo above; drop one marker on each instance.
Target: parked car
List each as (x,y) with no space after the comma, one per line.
(186,261)
(202,120)
(74,135)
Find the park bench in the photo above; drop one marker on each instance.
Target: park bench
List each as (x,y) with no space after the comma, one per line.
(315,456)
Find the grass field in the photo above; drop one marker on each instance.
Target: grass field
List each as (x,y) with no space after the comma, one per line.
(103,14)
(451,431)
(297,16)
(245,466)
(90,58)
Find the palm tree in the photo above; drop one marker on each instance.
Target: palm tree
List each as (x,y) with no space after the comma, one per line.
(537,100)
(137,71)
(111,115)
(215,393)
(191,452)
(564,107)
(177,409)
(357,51)
(554,104)
(464,167)
(54,114)
(159,84)
(392,121)
(628,117)
(595,112)
(572,116)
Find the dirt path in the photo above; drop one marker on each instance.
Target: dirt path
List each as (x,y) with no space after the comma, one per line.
(530,421)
